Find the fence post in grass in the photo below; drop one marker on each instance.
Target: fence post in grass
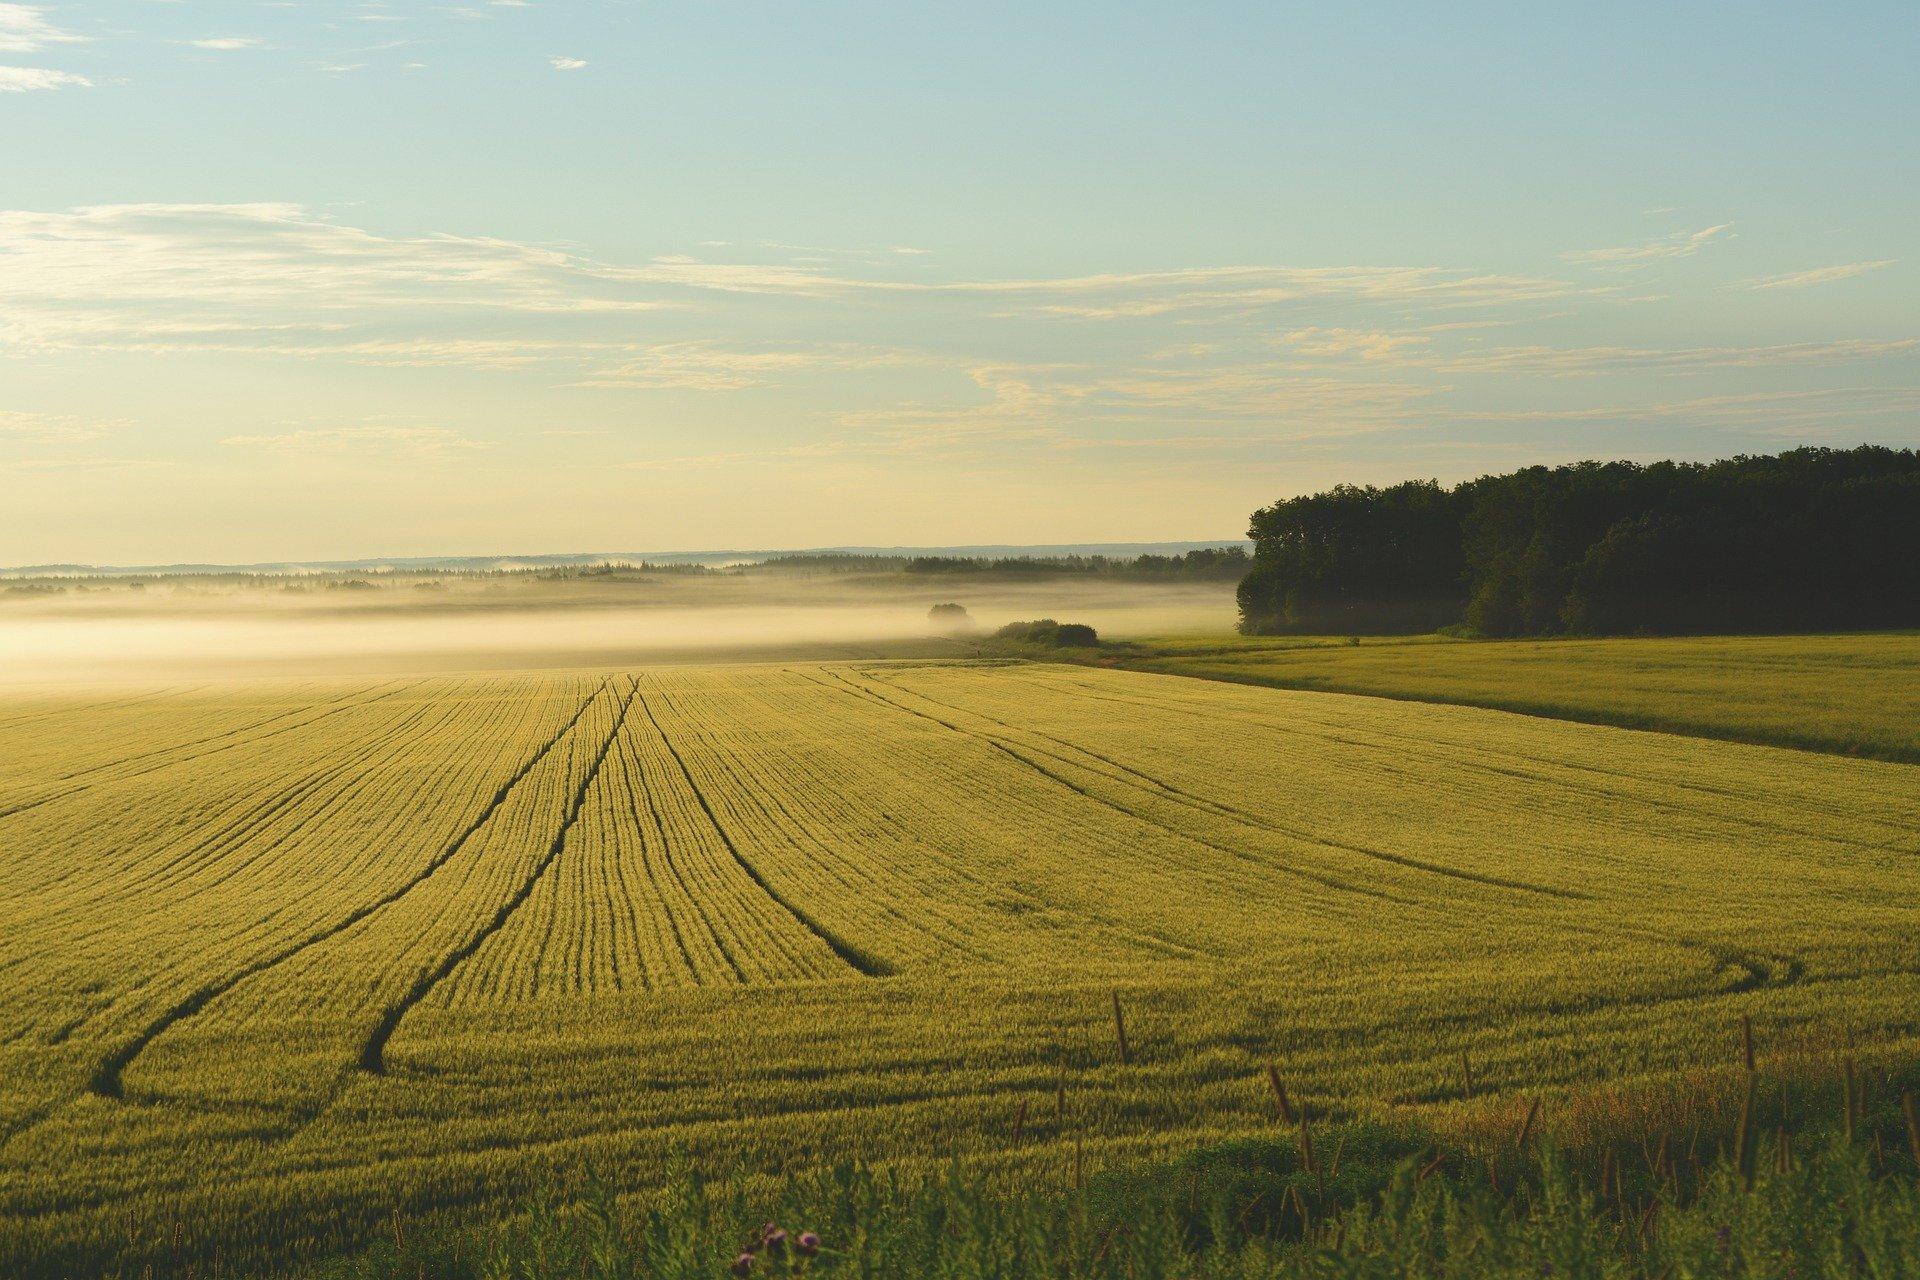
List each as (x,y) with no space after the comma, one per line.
(1431,1167)
(1466,1073)
(1743,1141)
(1746,1040)
(1300,1207)
(1848,1098)
(1280,1094)
(1913,1126)
(1526,1127)
(1120,1030)
(1020,1123)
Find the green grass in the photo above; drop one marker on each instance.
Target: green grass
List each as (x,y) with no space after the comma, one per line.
(1851,694)
(1715,1182)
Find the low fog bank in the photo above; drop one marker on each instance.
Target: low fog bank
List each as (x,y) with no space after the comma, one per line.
(210,637)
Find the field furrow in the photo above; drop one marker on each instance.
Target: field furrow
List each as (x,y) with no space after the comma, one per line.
(337,947)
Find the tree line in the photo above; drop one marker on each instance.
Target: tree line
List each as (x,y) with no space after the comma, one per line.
(1808,539)
(1213,564)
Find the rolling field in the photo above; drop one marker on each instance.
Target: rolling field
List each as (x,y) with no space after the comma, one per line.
(1854,694)
(281,960)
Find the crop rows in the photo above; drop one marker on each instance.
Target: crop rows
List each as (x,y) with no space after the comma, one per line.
(300,955)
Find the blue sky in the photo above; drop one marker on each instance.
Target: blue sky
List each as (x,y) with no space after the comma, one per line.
(324,278)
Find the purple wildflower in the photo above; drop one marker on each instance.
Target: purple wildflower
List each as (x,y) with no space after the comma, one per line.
(742,1265)
(807,1245)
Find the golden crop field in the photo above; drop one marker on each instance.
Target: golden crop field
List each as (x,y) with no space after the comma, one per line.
(281,960)
(1858,694)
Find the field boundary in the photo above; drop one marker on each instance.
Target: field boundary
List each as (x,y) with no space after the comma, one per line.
(1817,745)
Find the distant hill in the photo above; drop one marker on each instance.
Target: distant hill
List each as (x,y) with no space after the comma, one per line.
(483,564)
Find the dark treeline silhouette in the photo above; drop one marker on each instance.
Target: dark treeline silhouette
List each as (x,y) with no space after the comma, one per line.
(1045,631)
(1812,538)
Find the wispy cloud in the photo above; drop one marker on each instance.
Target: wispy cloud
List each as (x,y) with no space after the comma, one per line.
(1244,290)
(86,463)
(407,442)
(256,274)
(1817,275)
(28,79)
(566,64)
(1681,244)
(1361,343)
(1580,361)
(227,44)
(1338,347)
(107,275)
(22,427)
(706,366)
(873,354)
(24,28)
(1819,410)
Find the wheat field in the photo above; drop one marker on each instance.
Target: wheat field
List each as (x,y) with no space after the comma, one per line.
(281,960)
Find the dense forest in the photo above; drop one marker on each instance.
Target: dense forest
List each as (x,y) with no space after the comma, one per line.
(1807,539)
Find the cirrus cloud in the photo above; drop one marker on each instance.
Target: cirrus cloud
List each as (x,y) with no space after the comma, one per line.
(24,28)
(1817,275)
(28,79)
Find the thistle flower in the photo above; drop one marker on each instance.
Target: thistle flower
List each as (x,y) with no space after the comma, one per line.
(807,1245)
(742,1265)
(773,1238)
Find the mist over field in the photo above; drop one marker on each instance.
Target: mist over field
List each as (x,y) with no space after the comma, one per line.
(439,625)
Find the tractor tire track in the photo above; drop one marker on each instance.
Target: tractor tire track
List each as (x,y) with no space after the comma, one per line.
(1458,753)
(866,965)
(106,1080)
(373,1050)
(333,708)
(227,828)
(222,845)
(1238,855)
(1246,817)
(1046,906)
(797,830)
(636,796)
(670,870)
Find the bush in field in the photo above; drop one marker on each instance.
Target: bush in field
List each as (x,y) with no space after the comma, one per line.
(950,619)
(1045,631)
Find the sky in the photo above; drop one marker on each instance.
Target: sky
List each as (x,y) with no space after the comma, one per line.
(324,278)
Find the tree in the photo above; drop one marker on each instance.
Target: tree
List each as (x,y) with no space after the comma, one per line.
(950,619)
(1805,539)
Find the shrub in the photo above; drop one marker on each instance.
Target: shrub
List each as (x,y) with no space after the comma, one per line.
(950,619)
(1047,632)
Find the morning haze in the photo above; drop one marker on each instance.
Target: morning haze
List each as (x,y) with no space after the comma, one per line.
(1280,640)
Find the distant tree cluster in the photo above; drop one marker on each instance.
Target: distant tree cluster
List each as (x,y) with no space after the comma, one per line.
(1045,631)
(950,619)
(1218,564)
(1807,539)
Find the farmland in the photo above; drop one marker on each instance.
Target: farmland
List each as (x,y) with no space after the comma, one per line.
(282,959)
(1855,694)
